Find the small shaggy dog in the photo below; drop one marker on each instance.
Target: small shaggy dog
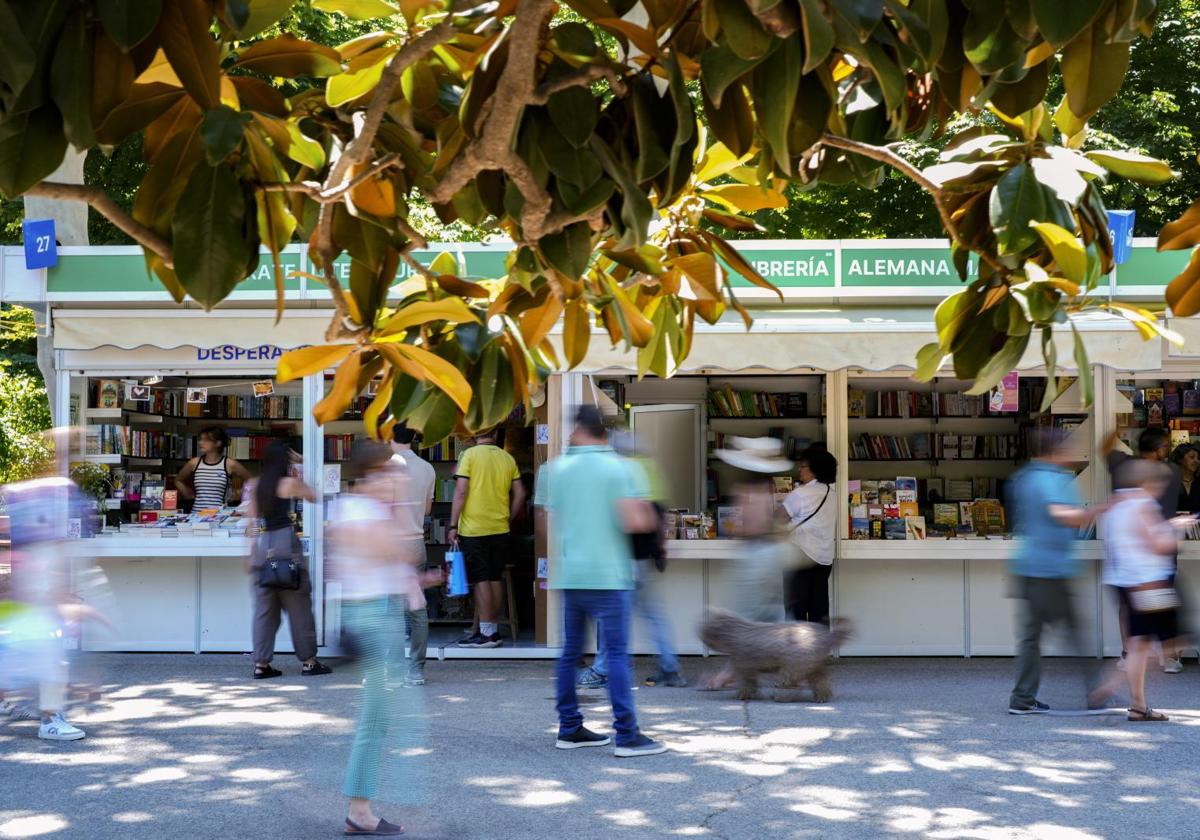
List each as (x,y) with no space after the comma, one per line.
(797,651)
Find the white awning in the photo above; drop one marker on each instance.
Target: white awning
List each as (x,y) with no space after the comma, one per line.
(779,340)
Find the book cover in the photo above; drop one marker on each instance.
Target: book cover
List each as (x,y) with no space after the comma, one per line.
(1191,402)
(966,516)
(935,489)
(945,515)
(870,492)
(108,394)
(906,488)
(891,511)
(796,405)
(894,529)
(950,447)
(859,512)
(854,491)
(887,492)
(1172,400)
(856,403)
(1180,437)
(170,499)
(876,529)
(729,521)
(860,528)
(1155,407)
(152,495)
(914,527)
(959,490)
(907,509)
(920,446)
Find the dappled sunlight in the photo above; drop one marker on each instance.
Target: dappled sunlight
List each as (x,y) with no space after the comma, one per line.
(259,774)
(33,826)
(132,817)
(156,776)
(279,719)
(628,819)
(1061,800)
(61,759)
(963,761)
(140,709)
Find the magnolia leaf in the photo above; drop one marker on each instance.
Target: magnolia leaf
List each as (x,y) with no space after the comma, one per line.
(1017,200)
(1060,177)
(346,87)
(71,81)
(1061,21)
(191,50)
(32,149)
(743,198)
(411,315)
(818,34)
(127,22)
(577,331)
(735,261)
(1182,233)
(376,195)
(263,14)
(290,56)
(440,373)
(1087,386)
(1068,251)
(1136,167)
(215,237)
(1092,70)
(1183,293)
(1000,365)
(929,360)
(569,250)
(495,392)
(537,322)
(295,364)
(344,389)
(221,130)
(358,9)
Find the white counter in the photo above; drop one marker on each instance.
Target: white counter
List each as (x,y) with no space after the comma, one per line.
(172,594)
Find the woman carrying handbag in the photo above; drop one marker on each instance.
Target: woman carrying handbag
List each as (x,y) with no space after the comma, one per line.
(279,579)
(812,512)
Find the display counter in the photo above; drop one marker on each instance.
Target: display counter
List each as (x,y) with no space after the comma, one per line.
(171,594)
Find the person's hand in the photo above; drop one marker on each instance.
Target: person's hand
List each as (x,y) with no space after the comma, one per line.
(1183,521)
(452,535)
(431,578)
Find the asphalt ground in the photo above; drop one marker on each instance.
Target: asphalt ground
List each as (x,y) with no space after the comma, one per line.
(189,747)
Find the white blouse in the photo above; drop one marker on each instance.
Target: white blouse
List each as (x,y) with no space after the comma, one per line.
(816,536)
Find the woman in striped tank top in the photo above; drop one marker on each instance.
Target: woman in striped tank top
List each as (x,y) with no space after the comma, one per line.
(208,479)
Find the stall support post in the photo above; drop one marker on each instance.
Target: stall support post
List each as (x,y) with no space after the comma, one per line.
(1103,422)
(560,402)
(837,438)
(314,513)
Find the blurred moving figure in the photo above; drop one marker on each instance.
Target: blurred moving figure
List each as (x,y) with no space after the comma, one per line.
(414,504)
(595,500)
(812,509)
(1140,547)
(754,582)
(650,553)
(1047,514)
(379,584)
(1154,445)
(40,606)
(272,502)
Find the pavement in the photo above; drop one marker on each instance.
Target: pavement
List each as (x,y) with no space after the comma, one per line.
(189,747)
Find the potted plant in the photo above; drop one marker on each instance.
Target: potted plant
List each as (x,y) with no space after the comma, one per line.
(96,483)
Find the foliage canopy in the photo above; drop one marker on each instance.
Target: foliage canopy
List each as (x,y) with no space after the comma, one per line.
(610,140)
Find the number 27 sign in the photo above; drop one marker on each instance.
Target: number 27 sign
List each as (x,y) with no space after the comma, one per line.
(41,248)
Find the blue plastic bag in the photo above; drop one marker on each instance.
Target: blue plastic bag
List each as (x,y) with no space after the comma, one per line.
(456,580)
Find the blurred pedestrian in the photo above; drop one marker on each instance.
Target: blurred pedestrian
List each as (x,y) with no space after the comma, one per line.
(1186,458)
(415,503)
(649,550)
(813,526)
(272,500)
(1154,445)
(366,555)
(488,495)
(753,583)
(595,499)
(1139,549)
(1047,515)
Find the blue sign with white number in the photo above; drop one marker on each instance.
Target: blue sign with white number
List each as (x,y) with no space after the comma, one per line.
(41,248)
(1120,227)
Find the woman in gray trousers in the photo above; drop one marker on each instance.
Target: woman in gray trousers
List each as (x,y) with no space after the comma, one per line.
(272,501)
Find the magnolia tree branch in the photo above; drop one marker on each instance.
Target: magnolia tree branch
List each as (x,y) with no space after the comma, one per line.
(109,209)
(894,160)
(580,78)
(314,191)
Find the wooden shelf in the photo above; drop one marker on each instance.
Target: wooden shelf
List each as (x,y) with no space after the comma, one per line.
(103,459)
(775,420)
(103,412)
(931,460)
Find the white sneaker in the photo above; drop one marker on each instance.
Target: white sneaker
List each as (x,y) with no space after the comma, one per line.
(1173,666)
(57,729)
(1121,663)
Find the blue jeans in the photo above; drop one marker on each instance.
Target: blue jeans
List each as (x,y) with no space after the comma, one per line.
(378,625)
(649,608)
(610,609)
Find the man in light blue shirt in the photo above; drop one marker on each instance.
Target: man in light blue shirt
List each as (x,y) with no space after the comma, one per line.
(1047,514)
(595,500)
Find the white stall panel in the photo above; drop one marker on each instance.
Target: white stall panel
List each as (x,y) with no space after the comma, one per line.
(680,592)
(993,612)
(151,602)
(226,609)
(907,607)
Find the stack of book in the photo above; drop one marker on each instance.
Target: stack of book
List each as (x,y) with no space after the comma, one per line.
(726,402)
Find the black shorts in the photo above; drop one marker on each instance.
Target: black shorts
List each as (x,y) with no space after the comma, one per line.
(1161,624)
(485,557)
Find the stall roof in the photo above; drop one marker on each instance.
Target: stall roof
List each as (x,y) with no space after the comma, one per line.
(827,338)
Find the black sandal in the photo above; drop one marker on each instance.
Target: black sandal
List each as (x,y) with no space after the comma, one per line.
(265,672)
(315,670)
(384,829)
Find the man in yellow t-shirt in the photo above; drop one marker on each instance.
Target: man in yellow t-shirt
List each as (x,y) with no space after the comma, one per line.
(487,495)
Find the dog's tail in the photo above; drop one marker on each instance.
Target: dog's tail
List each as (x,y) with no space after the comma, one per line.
(841,630)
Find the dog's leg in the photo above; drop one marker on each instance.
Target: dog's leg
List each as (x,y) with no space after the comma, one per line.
(822,690)
(748,688)
(791,678)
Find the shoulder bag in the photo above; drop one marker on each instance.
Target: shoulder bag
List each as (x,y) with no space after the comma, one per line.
(281,567)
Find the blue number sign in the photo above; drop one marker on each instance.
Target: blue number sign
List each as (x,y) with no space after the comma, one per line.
(41,248)
(1120,225)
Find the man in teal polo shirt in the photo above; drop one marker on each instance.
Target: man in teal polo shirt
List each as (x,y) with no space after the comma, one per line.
(1047,514)
(595,500)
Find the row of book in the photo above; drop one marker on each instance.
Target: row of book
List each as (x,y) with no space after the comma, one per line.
(448,450)
(726,402)
(1158,406)
(915,404)
(942,446)
(238,407)
(338,447)
(793,445)
(903,520)
(926,491)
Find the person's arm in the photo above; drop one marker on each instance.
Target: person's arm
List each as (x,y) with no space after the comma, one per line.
(516,496)
(1156,538)
(183,479)
(1074,517)
(637,516)
(238,476)
(456,506)
(293,488)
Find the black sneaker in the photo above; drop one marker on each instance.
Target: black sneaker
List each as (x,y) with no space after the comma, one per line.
(642,746)
(474,640)
(1037,707)
(582,737)
(492,641)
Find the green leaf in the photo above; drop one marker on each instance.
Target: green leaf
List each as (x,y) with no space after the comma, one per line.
(1087,386)
(144,104)
(863,15)
(1068,252)
(128,22)
(495,389)
(221,130)
(581,200)
(191,50)
(732,122)
(1017,199)
(290,56)
(358,9)
(264,14)
(1050,354)
(305,150)
(346,87)
(1092,71)
(775,83)
(818,34)
(952,314)
(564,159)
(929,361)
(444,263)
(1062,20)
(720,67)
(71,82)
(569,250)
(434,417)
(654,133)
(575,38)
(17,59)
(32,146)
(989,42)
(573,112)
(636,209)
(743,32)
(212,234)
(1136,167)
(1000,365)
(1060,177)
